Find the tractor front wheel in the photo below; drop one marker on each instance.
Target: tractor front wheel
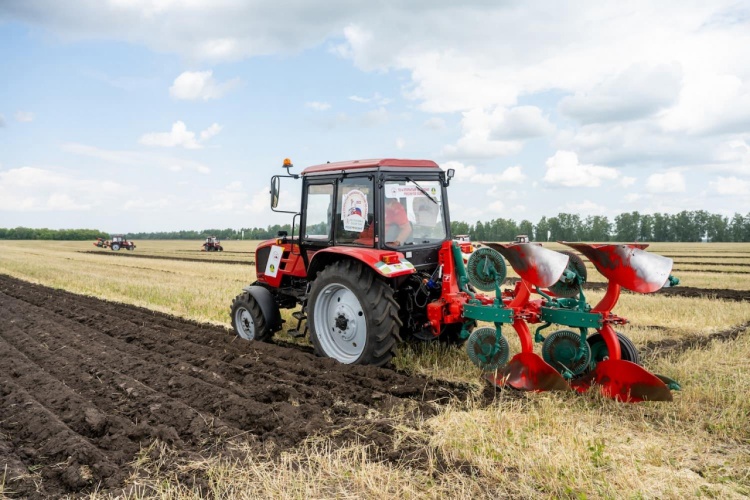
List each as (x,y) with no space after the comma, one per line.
(248,320)
(353,315)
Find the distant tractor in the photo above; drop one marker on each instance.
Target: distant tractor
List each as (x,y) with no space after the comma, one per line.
(371,261)
(212,244)
(118,241)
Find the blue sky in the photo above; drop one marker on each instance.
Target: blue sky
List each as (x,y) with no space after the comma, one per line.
(140,115)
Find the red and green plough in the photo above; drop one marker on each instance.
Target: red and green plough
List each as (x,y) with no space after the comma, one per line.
(587,352)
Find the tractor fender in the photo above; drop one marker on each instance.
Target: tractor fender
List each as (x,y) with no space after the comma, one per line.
(376,259)
(267,304)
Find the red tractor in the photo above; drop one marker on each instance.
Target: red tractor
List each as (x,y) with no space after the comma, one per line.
(212,244)
(371,261)
(117,242)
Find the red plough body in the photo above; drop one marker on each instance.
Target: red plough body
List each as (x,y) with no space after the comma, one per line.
(627,266)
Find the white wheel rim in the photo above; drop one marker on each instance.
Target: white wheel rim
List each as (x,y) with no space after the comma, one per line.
(340,323)
(244,322)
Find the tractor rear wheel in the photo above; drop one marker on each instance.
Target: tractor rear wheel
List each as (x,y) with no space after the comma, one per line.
(353,315)
(248,320)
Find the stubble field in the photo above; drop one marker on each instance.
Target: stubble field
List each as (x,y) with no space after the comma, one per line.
(148,393)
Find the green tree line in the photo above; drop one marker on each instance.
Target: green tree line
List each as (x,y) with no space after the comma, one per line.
(28,233)
(685,226)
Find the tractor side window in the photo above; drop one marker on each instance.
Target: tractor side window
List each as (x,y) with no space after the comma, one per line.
(318,212)
(420,203)
(355,212)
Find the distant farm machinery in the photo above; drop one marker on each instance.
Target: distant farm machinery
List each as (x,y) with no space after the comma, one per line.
(117,242)
(212,244)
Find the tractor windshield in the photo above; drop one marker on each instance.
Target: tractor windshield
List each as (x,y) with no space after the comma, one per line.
(413,212)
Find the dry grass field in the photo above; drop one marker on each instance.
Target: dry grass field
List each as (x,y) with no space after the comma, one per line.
(482,443)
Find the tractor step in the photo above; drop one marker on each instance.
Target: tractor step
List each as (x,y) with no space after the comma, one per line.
(296,333)
(299,315)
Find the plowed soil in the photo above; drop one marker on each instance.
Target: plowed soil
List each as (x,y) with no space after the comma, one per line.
(86,385)
(671,346)
(166,257)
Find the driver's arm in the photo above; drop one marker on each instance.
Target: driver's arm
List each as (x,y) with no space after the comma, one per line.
(400,218)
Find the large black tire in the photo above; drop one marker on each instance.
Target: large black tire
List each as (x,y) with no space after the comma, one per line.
(247,319)
(115,247)
(367,314)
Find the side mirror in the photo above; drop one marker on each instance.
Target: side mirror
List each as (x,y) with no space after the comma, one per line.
(449,175)
(274,191)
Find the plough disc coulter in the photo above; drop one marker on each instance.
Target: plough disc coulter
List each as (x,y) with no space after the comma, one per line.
(587,353)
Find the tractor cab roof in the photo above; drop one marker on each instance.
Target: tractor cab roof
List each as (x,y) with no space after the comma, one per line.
(373,164)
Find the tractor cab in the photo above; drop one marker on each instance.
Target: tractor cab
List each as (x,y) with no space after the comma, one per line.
(373,205)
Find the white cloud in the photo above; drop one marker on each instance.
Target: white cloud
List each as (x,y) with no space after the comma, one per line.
(211,131)
(24,116)
(521,122)
(470,173)
(179,136)
(146,205)
(667,182)
(235,198)
(435,123)
(627,181)
(585,207)
(734,157)
(710,104)
(376,99)
(637,92)
(400,143)
(192,85)
(476,142)
(35,189)
(730,186)
(136,158)
(564,169)
(318,106)
(379,116)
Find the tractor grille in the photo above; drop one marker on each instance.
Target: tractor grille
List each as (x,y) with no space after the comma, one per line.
(261,258)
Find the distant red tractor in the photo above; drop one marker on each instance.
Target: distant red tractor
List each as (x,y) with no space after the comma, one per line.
(371,261)
(118,241)
(212,244)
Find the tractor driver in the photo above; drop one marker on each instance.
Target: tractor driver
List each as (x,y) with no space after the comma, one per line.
(397,227)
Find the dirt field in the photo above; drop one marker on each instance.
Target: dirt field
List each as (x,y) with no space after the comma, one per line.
(86,384)
(139,396)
